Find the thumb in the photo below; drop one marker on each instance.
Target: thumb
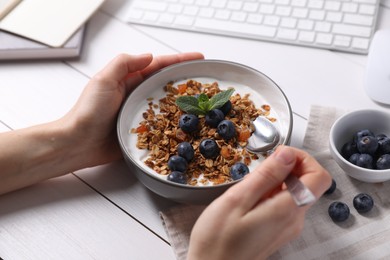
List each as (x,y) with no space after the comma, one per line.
(269,175)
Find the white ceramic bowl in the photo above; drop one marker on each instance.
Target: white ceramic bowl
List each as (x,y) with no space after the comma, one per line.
(265,92)
(342,131)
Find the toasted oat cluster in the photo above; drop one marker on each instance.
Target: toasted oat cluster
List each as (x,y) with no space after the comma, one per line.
(160,133)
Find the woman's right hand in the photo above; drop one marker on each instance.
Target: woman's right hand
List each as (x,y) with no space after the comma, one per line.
(255,217)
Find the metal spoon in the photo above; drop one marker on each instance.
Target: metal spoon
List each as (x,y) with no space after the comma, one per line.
(264,139)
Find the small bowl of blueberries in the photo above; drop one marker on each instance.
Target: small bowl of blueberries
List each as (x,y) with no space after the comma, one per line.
(360,143)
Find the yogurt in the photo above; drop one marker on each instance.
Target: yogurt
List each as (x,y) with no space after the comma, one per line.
(140,155)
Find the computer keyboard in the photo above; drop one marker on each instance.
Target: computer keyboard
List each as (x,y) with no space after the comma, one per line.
(342,25)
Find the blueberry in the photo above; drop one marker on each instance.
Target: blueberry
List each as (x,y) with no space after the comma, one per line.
(185,150)
(238,170)
(383,162)
(178,177)
(362,160)
(362,133)
(332,188)
(354,158)
(363,202)
(365,161)
(226,129)
(338,211)
(188,123)
(226,107)
(348,149)
(177,163)
(383,143)
(367,144)
(214,117)
(209,148)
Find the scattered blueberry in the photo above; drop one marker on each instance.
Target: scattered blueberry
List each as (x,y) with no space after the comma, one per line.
(332,188)
(209,148)
(185,150)
(178,177)
(367,144)
(383,162)
(226,107)
(338,211)
(214,117)
(188,123)
(363,202)
(348,149)
(226,129)
(238,170)
(177,163)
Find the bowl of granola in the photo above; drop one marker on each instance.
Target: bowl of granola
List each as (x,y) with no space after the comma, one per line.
(183,131)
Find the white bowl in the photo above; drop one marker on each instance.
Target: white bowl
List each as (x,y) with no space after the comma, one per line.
(342,131)
(265,91)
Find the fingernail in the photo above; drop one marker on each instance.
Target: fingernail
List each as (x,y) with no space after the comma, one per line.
(284,155)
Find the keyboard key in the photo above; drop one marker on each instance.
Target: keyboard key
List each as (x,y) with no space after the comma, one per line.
(271,20)
(351,30)
(287,34)
(255,18)
(239,16)
(288,22)
(151,16)
(367,9)
(206,12)
(334,17)
(166,19)
(305,36)
(226,26)
(222,14)
(342,41)
(151,6)
(358,19)
(360,43)
(324,38)
(184,20)
(322,26)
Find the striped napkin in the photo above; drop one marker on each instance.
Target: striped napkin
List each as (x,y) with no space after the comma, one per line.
(361,236)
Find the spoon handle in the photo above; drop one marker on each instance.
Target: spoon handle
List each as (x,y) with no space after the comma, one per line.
(299,192)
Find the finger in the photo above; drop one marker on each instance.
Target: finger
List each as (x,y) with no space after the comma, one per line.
(265,178)
(311,173)
(160,62)
(288,219)
(122,65)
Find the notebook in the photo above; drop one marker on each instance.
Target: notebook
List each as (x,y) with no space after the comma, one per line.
(14,47)
(50,22)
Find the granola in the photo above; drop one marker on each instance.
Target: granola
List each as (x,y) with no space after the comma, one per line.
(160,133)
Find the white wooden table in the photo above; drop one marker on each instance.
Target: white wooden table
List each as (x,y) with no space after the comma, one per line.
(104,212)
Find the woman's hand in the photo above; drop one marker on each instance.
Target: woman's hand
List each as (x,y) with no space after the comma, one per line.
(256,216)
(93,118)
(86,135)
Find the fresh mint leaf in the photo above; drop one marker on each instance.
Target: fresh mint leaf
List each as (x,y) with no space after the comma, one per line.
(203,98)
(219,99)
(189,104)
(202,104)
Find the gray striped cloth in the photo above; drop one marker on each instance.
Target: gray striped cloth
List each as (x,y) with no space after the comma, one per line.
(359,237)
